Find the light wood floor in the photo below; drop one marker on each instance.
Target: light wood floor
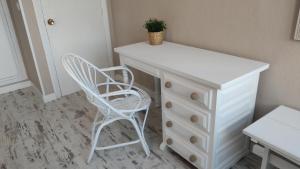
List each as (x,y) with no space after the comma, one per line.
(34,135)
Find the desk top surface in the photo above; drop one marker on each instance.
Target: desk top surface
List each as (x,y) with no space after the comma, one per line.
(280,131)
(215,69)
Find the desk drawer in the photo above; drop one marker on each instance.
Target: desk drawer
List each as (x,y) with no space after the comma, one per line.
(198,159)
(187,90)
(140,66)
(195,117)
(194,138)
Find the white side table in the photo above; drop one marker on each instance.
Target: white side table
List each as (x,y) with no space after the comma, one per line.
(277,135)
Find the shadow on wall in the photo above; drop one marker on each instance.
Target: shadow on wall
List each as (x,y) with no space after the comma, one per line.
(23,41)
(30,41)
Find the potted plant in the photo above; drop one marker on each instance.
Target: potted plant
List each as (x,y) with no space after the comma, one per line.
(155,31)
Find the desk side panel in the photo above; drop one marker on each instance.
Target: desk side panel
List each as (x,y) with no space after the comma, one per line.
(235,110)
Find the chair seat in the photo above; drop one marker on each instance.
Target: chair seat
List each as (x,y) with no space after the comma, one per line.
(132,102)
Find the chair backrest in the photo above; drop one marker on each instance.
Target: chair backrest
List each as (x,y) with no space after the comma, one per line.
(85,74)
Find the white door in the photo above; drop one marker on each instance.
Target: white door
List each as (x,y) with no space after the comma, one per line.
(77,27)
(11,67)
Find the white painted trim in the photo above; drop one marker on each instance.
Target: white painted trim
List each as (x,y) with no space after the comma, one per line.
(297,29)
(15,86)
(21,75)
(8,80)
(39,10)
(49,97)
(45,98)
(52,96)
(31,45)
(107,28)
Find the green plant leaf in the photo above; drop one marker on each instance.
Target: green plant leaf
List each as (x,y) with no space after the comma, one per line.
(154,25)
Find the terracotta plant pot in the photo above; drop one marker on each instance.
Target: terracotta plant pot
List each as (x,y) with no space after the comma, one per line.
(156,38)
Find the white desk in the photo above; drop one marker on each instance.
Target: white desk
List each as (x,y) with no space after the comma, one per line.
(278,131)
(208,98)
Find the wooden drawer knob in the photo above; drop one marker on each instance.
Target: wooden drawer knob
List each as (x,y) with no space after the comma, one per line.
(169,105)
(169,124)
(193,158)
(193,139)
(169,141)
(168,84)
(194,119)
(194,96)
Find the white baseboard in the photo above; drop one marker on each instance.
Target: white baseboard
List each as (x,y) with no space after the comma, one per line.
(46,98)
(49,97)
(15,86)
(24,84)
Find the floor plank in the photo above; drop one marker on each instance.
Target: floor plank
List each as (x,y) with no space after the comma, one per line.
(34,135)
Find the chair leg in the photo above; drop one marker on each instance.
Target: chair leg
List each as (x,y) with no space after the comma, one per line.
(141,136)
(94,142)
(145,119)
(93,134)
(142,123)
(135,125)
(94,127)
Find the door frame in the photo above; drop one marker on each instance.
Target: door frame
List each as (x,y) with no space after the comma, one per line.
(40,14)
(14,45)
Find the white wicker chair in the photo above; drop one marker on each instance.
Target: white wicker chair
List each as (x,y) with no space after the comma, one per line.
(118,101)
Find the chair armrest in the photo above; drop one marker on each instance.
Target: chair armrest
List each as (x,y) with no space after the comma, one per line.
(124,69)
(114,83)
(121,92)
(120,86)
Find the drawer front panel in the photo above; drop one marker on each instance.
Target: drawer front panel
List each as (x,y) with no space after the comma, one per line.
(194,117)
(195,139)
(140,66)
(188,90)
(197,159)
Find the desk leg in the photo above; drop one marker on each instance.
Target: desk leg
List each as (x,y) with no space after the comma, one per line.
(163,146)
(265,159)
(157,95)
(125,76)
(124,72)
